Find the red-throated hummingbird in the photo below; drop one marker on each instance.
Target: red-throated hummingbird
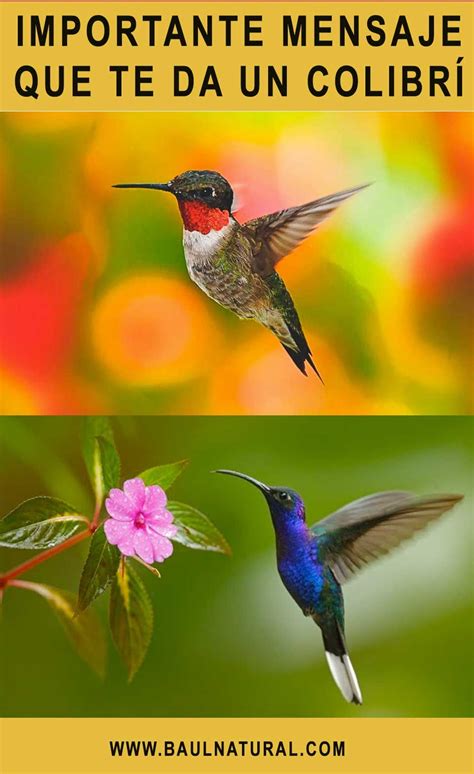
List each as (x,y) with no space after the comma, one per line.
(313,562)
(235,263)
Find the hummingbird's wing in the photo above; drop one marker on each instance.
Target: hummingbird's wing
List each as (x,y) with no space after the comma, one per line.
(362,531)
(277,234)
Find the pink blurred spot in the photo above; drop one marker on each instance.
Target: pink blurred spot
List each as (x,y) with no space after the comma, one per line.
(39,309)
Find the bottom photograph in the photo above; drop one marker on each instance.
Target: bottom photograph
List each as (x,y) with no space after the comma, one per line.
(237,567)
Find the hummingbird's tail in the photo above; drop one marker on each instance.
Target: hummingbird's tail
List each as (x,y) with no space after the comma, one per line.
(340,663)
(282,319)
(299,350)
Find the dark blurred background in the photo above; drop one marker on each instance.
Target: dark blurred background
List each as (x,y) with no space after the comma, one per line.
(98,314)
(228,640)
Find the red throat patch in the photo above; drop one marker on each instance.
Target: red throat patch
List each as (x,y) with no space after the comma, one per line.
(197,216)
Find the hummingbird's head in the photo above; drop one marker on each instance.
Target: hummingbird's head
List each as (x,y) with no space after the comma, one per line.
(204,197)
(285,504)
(204,186)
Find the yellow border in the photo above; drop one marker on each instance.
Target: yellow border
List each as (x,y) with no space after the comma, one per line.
(371,745)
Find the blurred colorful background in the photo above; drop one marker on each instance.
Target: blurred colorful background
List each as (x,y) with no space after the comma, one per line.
(98,315)
(228,640)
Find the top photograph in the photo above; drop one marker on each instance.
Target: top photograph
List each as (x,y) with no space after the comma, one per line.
(236,263)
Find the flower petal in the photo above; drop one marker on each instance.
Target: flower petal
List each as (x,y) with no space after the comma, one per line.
(126,546)
(170,531)
(116,531)
(119,506)
(166,530)
(143,546)
(162,547)
(155,500)
(135,490)
(161,519)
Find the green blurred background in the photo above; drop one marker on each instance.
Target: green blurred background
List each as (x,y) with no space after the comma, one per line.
(228,640)
(98,315)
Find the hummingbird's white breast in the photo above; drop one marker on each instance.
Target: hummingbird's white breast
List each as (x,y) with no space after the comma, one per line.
(199,248)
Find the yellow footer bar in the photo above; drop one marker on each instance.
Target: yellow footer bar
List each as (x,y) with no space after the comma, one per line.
(286,745)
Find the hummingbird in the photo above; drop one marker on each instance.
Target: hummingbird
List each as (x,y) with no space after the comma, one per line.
(314,562)
(234,263)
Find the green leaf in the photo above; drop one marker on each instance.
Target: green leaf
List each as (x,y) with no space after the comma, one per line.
(131,617)
(163,475)
(100,455)
(110,463)
(196,531)
(99,569)
(84,631)
(40,522)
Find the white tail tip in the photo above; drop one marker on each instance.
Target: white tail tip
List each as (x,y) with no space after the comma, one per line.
(344,677)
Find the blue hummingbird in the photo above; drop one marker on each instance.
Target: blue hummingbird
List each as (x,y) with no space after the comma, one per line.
(313,562)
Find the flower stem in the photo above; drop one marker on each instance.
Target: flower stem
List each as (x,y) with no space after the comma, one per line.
(154,570)
(96,516)
(42,557)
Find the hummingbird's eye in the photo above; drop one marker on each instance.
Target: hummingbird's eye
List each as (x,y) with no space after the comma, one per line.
(207,192)
(283,496)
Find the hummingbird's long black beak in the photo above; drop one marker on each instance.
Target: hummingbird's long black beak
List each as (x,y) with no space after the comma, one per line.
(152,186)
(263,487)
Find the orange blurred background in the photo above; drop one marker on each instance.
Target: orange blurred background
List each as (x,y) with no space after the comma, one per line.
(98,315)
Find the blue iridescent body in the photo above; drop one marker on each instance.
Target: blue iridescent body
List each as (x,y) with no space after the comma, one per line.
(300,562)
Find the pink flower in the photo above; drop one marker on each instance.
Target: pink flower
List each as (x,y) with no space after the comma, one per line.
(140,524)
